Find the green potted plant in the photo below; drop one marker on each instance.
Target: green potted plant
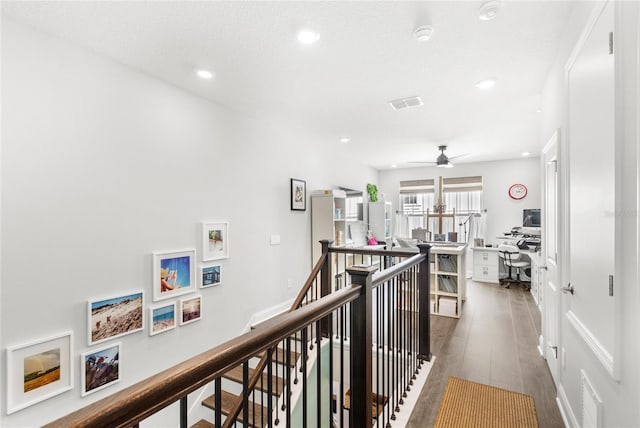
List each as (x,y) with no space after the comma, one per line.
(372,190)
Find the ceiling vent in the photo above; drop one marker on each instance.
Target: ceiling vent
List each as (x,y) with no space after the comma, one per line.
(406,103)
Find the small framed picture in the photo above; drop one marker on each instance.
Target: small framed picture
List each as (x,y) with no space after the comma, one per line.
(478,242)
(190,310)
(215,241)
(298,195)
(439,237)
(38,370)
(99,368)
(174,273)
(114,317)
(211,276)
(163,318)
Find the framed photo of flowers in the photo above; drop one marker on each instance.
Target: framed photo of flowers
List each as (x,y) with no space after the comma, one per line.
(99,368)
(215,240)
(38,370)
(174,273)
(298,195)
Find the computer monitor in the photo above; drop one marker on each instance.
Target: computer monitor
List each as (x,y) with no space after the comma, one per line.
(531,217)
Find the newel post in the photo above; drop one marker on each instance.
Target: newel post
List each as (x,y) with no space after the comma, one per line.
(325,283)
(424,280)
(361,347)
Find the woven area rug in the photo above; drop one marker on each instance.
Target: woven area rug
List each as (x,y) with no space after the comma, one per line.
(471,404)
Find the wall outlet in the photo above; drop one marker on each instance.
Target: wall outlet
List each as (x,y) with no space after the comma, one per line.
(289,283)
(563,358)
(275,240)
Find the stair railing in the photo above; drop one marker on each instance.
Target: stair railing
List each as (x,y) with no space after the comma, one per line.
(141,400)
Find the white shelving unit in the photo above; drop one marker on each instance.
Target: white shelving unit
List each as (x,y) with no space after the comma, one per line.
(380,220)
(328,219)
(448,281)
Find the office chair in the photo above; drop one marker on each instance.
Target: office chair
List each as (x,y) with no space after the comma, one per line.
(512,258)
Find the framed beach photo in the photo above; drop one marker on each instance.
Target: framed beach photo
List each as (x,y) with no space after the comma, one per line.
(211,276)
(38,370)
(114,317)
(174,273)
(99,368)
(298,195)
(215,241)
(190,310)
(163,318)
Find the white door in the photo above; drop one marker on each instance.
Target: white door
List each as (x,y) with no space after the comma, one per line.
(550,298)
(592,205)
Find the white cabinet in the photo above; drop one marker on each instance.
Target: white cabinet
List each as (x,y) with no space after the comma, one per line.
(380,222)
(486,265)
(537,276)
(328,219)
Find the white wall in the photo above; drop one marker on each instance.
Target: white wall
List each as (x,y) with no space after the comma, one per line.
(620,399)
(503,213)
(101,165)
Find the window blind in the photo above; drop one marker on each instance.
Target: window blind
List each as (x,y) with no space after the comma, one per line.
(462,184)
(417,186)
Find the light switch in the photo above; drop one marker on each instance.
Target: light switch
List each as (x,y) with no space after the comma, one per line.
(275,239)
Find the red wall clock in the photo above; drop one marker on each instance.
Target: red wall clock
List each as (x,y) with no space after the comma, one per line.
(517,191)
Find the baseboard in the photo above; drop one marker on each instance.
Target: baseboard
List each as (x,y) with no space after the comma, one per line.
(267,313)
(568,417)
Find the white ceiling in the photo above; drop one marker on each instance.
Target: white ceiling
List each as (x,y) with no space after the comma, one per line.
(366,56)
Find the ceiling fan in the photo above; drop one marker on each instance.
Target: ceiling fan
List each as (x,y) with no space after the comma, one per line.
(442,161)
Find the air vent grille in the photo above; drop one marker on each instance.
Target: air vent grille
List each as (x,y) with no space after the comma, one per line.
(405,103)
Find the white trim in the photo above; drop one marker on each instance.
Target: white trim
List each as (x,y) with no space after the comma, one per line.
(267,313)
(568,417)
(605,358)
(591,22)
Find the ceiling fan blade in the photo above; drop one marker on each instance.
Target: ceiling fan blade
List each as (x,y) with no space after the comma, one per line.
(457,156)
(422,162)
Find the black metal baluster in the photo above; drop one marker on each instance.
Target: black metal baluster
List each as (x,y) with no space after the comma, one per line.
(183,412)
(287,398)
(341,391)
(270,389)
(218,401)
(304,377)
(331,369)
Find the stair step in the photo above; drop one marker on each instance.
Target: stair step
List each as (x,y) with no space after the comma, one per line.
(235,374)
(280,356)
(228,400)
(202,423)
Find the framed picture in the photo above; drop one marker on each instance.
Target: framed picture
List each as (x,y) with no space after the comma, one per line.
(163,318)
(210,276)
(99,368)
(114,317)
(478,242)
(190,310)
(215,241)
(174,273)
(38,370)
(298,195)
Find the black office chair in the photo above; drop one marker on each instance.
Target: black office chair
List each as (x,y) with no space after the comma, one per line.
(512,258)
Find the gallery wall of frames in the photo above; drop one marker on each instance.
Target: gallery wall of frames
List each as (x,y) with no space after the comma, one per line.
(44,367)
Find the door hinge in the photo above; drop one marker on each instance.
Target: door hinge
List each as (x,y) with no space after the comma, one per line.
(610,285)
(611,43)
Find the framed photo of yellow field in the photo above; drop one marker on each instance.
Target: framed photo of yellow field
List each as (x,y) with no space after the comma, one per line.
(215,240)
(114,316)
(38,370)
(174,273)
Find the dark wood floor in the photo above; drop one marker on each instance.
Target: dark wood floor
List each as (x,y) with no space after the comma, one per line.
(494,342)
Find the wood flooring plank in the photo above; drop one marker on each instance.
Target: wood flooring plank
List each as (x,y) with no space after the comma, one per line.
(496,338)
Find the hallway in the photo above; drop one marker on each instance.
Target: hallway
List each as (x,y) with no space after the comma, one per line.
(495,343)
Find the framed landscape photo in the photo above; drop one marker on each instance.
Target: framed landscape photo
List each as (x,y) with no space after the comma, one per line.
(38,370)
(215,240)
(163,318)
(115,316)
(174,273)
(298,195)
(211,276)
(99,368)
(190,310)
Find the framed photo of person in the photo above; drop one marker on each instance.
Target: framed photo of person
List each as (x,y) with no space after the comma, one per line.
(298,195)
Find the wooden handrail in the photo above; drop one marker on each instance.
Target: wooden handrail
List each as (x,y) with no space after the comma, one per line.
(141,400)
(364,251)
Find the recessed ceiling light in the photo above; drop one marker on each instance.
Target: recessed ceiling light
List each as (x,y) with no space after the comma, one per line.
(204,74)
(488,10)
(394,166)
(423,33)
(308,37)
(525,154)
(539,110)
(345,140)
(486,83)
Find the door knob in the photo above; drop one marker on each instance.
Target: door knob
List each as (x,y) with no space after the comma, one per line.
(568,289)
